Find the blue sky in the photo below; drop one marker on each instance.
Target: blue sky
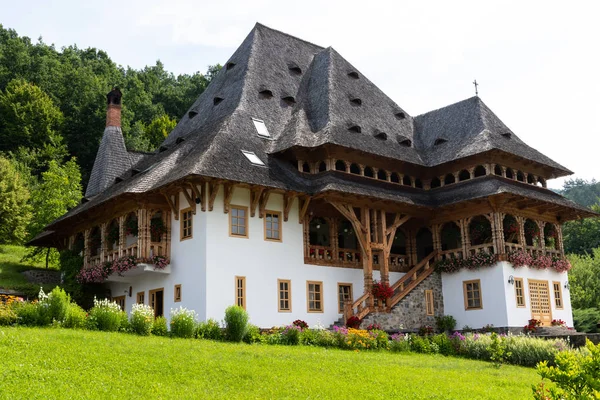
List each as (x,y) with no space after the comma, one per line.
(537,62)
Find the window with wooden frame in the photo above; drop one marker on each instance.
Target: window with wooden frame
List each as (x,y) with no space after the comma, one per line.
(177,294)
(273,226)
(141,297)
(472,293)
(344,293)
(519,292)
(558,301)
(429,302)
(120,300)
(314,296)
(186,224)
(240,291)
(284,295)
(238,221)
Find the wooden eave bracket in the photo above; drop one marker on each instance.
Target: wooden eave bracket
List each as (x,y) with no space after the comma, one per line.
(189,199)
(255,194)
(303,208)
(172,204)
(262,203)
(228,188)
(391,231)
(213,190)
(288,200)
(199,195)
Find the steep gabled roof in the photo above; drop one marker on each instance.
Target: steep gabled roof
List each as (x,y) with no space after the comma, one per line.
(467,128)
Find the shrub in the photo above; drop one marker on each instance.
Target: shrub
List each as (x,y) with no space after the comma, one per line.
(75,317)
(209,329)
(445,323)
(106,315)
(317,337)
(141,319)
(444,344)
(300,324)
(125,325)
(498,352)
(159,327)
(27,314)
(353,322)
(355,339)
(532,325)
(252,335)
(586,320)
(236,323)
(400,342)
(58,302)
(381,339)
(489,328)
(290,335)
(420,344)
(426,330)
(183,322)
(8,316)
(577,375)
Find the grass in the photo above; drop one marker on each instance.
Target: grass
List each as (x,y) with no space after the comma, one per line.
(61,363)
(11,268)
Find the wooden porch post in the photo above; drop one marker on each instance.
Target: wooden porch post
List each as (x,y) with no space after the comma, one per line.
(86,247)
(103,244)
(560,244)
(167,221)
(384,268)
(143,233)
(122,236)
(464,232)
(368,252)
(437,242)
(541,225)
(499,232)
(521,222)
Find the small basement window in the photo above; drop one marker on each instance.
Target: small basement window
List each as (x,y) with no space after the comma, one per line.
(400,115)
(356,102)
(381,135)
(439,141)
(261,128)
(289,100)
(253,158)
(229,66)
(192,114)
(265,94)
(353,74)
(217,100)
(355,129)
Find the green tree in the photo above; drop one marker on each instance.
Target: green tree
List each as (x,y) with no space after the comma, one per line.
(159,129)
(30,120)
(15,211)
(586,193)
(582,236)
(58,191)
(584,280)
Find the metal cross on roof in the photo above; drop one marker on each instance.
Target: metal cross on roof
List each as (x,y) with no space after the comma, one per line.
(476,84)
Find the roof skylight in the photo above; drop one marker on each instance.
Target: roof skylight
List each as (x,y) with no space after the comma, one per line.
(253,158)
(261,128)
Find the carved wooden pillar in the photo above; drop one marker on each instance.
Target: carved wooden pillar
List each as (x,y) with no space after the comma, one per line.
(541,225)
(388,176)
(466,241)
(521,222)
(385,263)
(435,234)
(167,235)
(103,239)
(368,253)
(362,169)
(347,166)
(143,233)
(86,247)
(442,180)
(504,172)
(560,244)
(412,250)
(497,233)
(306,230)
(122,236)
(333,239)
(471,173)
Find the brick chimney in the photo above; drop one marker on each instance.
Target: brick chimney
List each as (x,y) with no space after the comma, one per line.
(113,112)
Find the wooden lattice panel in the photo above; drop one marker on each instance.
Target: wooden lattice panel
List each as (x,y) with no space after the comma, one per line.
(539,295)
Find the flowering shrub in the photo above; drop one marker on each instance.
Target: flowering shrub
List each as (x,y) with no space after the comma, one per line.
(75,317)
(353,322)
(209,329)
(558,322)
(8,316)
(291,335)
(519,258)
(473,262)
(400,342)
(426,330)
(52,307)
(382,290)
(99,272)
(300,324)
(141,319)
(532,325)
(317,337)
(106,315)
(159,327)
(372,327)
(359,339)
(183,322)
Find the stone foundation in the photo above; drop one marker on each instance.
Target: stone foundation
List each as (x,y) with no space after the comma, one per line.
(42,277)
(410,314)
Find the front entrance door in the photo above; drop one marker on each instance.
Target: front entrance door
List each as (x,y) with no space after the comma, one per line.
(157,301)
(539,297)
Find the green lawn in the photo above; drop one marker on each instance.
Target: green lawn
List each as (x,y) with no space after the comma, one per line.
(11,268)
(60,363)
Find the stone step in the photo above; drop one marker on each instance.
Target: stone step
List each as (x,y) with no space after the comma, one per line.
(553,331)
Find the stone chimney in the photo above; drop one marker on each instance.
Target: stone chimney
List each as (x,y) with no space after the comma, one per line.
(113,112)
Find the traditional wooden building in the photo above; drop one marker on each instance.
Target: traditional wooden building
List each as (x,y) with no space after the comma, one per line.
(293,183)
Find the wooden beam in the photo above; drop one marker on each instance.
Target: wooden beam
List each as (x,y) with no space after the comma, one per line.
(262,203)
(397,223)
(228,189)
(288,200)
(196,193)
(303,209)
(189,199)
(172,205)
(255,194)
(361,230)
(203,196)
(213,189)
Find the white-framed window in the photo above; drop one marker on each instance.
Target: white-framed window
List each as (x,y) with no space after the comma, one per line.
(253,158)
(261,128)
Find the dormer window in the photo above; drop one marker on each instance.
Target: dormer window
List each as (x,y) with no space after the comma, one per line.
(507,135)
(266,94)
(134,172)
(192,114)
(356,101)
(404,141)
(353,74)
(118,179)
(355,129)
(253,158)
(381,135)
(179,140)
(289,100)
(217,100)
(439,141)
(261,128)
(400,115)
(294,69)
(229,66)
(162,148)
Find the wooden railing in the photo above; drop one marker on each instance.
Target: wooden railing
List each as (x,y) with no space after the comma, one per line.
(396,262)
(156,249)
(351,256)
(508,247)
(94,260)
(412,278)
(112,255)
(360,308)
(486,248)
(320,252)
(451,254)
(132,250)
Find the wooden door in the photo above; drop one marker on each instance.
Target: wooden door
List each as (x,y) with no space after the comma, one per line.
(539,298)
(156,301)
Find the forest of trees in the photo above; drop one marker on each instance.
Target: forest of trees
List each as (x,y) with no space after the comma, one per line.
(52,116)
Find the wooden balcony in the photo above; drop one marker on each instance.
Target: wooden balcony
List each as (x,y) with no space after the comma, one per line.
(351,258)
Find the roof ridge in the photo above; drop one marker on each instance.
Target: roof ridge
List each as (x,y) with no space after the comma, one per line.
(450,105)
(260,26)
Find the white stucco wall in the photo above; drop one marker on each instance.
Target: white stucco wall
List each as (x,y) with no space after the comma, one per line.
(498,296)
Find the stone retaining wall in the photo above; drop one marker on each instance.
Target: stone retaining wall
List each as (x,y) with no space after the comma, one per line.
(42,277)
(410,314)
